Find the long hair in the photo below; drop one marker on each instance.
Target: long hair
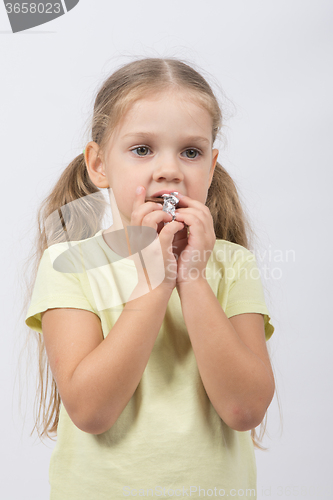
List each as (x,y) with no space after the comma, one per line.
(131,82)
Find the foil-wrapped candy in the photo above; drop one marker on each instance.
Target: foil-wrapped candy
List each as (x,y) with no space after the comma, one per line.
(170,202)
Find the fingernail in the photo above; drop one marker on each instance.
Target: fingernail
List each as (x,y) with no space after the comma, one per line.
(139,190)
(180,196)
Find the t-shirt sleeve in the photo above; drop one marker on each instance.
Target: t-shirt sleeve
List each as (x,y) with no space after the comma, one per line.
(246,294)
(53,289)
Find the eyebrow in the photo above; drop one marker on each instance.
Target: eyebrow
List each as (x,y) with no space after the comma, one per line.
(149,135)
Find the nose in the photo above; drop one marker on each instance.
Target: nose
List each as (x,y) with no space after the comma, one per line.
(168,169)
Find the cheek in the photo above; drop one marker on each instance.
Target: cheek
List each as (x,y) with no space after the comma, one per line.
(200,191)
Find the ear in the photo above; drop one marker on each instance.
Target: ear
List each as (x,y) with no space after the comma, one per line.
(95,165)
(215,154)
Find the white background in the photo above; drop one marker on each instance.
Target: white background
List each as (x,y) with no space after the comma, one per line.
(273,60)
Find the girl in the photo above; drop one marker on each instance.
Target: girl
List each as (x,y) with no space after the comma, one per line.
(158,353)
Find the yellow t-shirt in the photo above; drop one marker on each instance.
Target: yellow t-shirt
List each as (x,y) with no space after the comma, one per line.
(169,440)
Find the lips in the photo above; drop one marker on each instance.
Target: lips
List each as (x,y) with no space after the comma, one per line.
(163,191)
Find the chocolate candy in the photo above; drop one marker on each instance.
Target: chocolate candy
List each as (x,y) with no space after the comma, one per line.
(156,200)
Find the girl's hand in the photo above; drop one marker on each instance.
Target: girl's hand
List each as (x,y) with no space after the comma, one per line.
(195,249)
(158,256)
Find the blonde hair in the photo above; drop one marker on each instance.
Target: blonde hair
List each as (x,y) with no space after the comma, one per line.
(131,82)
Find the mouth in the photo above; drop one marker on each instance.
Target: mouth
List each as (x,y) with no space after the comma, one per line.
(158,194)
(159,197)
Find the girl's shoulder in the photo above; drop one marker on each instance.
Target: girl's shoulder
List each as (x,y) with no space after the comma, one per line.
(78,256)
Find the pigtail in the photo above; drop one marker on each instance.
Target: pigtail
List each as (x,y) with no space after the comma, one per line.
(80,214)
(230,222)
(74,221)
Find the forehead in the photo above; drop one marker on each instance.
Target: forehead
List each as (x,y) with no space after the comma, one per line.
(159,113)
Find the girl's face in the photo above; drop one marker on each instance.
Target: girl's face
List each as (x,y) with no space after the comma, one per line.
(163,143)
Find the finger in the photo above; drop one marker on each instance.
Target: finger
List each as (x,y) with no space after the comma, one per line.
(141,211)
(140,195)
(181,235)
(142,208)
(195,206)
(166,237)
(186,201)
(185,212)
(201,212)
(194,220)
(153,219)
(169,230)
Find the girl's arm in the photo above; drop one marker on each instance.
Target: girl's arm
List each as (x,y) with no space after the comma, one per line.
(231,355)
(96,377)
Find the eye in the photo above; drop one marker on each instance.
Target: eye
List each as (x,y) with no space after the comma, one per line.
(140,149)
(192,151)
